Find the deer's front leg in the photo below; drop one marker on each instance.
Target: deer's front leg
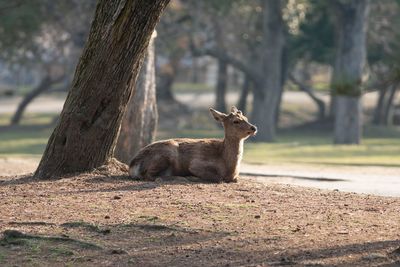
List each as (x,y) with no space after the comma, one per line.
(206,172)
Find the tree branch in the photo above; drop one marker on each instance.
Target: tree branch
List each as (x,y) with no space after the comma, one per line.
(224,56)
(310,92)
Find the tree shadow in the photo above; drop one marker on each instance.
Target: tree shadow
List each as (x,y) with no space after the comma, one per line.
(18,180)
(370,253)
(111,241)
(115,180)
(380,253)
(135,185)
(152,242)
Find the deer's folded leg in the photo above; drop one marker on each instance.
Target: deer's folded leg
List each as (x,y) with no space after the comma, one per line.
(158,166)
(206,172)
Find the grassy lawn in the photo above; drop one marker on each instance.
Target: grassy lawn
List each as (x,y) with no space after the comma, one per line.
(192,88)
(28,139)
(380,146)
(23,141)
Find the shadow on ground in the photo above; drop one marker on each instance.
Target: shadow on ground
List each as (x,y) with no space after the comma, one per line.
(150,243)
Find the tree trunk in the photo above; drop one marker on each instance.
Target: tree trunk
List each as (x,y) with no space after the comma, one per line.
(389,106)
(266,100)
(86,134)
(348,120)
(140,119)
(195,70)
(167,76)
(284,74)
(220,89)
(378,112)
(44,85)
(242,103)
(351,22)
(164,88)
(222,77)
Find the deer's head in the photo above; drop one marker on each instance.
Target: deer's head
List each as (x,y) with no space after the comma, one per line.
(236,125)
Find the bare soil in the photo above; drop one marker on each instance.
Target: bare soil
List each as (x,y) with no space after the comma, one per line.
(103,219)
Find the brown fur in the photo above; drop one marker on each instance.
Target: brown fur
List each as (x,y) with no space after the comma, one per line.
(213,160)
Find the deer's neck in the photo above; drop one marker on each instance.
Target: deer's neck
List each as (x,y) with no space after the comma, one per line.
(232,153)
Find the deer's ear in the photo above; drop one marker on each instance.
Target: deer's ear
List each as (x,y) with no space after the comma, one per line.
(218,116)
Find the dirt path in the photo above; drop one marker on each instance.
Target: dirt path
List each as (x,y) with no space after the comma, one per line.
(98,220)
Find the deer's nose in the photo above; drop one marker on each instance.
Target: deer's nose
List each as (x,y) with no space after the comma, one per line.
(253,128)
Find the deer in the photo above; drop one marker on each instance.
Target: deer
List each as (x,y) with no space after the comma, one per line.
(210,160)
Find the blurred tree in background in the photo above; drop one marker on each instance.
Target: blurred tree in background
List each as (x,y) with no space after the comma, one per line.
(351,20)
(254,48)
(44,36)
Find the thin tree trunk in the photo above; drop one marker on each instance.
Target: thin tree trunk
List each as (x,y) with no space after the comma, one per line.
(350,60)
(220,89)
(242,103)
(140,119)
(266,101)
(50,78)
(195,70)
(284,74)
(43,86)
(164,90)
(378,112)
(222,77)
(86,134)
(167,76)
(389,106)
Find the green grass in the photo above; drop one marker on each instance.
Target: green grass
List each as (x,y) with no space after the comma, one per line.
(380,145)
(191,88)
(28,139)
(2,257)
(321,86)
(29,119)
(23,141)
(60,251)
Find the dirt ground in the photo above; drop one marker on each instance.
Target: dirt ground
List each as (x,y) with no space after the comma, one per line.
(110,220)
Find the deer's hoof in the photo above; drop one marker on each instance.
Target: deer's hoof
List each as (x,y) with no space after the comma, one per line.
(232,180)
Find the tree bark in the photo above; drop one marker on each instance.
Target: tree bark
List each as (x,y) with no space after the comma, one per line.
(242,103)
(351,22)
(140,119)
(86,134)
(348,128)
(266,95)
(220,89)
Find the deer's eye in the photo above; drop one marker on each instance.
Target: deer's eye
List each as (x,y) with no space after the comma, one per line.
(236,122)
